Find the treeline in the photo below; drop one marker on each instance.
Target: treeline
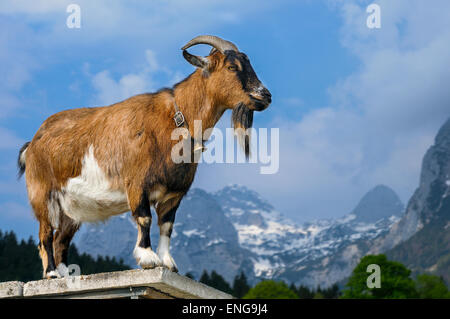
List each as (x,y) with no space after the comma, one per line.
(19,260)
(395,282)
(240,288)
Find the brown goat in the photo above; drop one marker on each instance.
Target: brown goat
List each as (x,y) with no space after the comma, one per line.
(88,164)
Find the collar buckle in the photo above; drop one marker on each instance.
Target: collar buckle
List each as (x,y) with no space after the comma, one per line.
(178,118)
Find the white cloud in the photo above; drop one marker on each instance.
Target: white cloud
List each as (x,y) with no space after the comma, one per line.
(111,91)
(154,22)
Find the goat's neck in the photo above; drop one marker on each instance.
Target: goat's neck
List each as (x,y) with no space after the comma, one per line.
(195,104)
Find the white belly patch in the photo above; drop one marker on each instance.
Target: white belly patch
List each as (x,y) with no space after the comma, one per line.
(89,197)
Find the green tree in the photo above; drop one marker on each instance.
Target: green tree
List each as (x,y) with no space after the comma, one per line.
(331,292)
(319,295)
(240,285)
(270,289)
(304,292)
(431,287)
(204,278)
(395,280)
(216,281)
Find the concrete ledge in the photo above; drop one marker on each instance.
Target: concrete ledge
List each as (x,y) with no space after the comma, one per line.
(151,283)
(11,289)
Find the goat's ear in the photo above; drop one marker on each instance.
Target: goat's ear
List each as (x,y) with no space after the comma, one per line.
(195,60)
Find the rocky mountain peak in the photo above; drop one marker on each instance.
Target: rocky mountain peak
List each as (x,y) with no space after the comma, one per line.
(426,201)
(380,202)
(245,206)
(443,136)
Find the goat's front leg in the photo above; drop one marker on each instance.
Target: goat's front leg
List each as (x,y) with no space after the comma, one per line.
(166,217)
(145,256)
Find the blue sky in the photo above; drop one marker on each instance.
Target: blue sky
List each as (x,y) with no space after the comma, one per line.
(355,107)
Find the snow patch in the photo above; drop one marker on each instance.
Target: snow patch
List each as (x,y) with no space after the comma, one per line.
(194,232)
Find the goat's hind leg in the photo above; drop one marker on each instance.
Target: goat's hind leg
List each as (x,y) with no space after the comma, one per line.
(145,256)
(39,200)
(46,249)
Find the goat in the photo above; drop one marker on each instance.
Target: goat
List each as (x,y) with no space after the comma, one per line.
(88,164)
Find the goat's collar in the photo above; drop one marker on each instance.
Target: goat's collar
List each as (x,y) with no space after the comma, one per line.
(181,121)
(178,117)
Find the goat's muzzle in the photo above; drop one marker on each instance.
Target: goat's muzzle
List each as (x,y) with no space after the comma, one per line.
(261,99)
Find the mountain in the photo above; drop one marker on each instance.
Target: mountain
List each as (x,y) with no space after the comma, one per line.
(421,239)
(312,254)
(380,202)
(428,197)
(235,230)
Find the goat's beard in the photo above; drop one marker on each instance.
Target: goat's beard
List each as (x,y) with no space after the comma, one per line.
(242,118)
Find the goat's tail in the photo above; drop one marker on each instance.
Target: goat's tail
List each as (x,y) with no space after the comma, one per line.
(21,159)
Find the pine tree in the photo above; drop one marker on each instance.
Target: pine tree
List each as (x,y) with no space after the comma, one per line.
(304,292)
(240,285)
(218,282)
(331,292)
(204,278)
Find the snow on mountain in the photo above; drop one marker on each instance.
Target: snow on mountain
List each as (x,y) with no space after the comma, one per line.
(280,245)
(235,230)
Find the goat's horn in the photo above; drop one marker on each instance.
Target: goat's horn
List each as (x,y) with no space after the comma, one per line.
(218,43)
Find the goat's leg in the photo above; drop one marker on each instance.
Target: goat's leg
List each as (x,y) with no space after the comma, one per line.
(145,256)
(166,217)
(39,194)
(46,249)
(62,238)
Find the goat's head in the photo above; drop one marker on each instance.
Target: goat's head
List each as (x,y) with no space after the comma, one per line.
(230,75)
(231,80)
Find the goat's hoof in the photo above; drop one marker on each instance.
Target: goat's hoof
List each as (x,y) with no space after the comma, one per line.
(146,258)
(168,262)
(52,275)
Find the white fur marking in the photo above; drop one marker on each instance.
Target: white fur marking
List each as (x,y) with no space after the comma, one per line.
(53,210)
(52,273)
(22,156)
(164,248)
(146,258)
(89,197)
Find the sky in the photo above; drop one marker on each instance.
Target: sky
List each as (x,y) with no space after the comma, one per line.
(355,107)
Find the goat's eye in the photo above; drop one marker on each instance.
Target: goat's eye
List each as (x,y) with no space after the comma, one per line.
(232,68)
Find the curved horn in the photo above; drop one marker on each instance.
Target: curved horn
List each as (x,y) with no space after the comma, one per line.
(218,43)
